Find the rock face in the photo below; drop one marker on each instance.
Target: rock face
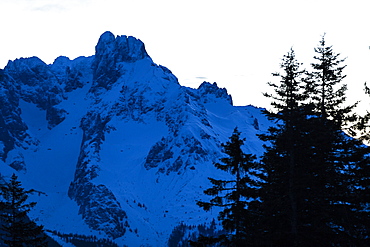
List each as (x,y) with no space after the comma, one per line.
(110,55)
(37,82)
(95,199)
(45,85)
(12,128)
(146,144)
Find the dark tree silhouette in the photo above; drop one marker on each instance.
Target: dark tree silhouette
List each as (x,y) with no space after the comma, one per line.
(18,229)
(285,159)
(317,176)
(233,195)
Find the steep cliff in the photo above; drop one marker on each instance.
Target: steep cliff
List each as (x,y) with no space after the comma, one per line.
(118,145)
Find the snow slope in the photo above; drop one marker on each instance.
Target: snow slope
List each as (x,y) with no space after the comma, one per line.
(115,144)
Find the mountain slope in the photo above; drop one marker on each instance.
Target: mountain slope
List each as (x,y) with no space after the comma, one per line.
(118,146)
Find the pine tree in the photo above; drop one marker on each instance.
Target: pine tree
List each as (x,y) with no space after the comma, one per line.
(18,229)
(341,162)
(316,174)
(233,195)
(327,89)
(285,160)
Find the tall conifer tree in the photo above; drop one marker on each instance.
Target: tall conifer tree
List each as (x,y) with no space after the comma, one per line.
(234,195)
(328,92)
(284,160)
(341,163)
(314,171)
(18,229)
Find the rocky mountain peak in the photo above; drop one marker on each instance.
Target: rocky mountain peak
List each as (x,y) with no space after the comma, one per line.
(110,53)
(121,48)
(208,89)
(119,136)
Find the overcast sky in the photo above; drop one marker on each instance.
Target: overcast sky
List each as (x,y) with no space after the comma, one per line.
(236,43)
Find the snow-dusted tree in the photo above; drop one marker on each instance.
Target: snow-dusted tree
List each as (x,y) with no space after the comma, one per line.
(234,195)
(17,228)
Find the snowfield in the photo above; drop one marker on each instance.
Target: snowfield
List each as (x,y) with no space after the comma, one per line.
(115,145)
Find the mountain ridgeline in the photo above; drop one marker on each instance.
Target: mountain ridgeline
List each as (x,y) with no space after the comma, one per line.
(118,146)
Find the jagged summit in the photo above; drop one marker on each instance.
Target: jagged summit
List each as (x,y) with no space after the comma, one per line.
(121,48)
(125,48)
(205,89)
(121,149)
(22,63)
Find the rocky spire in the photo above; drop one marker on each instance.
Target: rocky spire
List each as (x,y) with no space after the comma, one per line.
(111,51)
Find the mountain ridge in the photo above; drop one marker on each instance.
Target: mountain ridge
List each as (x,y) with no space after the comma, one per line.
(119,146)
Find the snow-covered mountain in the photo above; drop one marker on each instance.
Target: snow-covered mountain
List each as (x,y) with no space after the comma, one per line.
(118,147)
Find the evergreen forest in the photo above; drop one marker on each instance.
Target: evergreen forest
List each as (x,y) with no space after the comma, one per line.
(311,186)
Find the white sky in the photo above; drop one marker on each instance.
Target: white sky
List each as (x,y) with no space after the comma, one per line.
(236,43)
